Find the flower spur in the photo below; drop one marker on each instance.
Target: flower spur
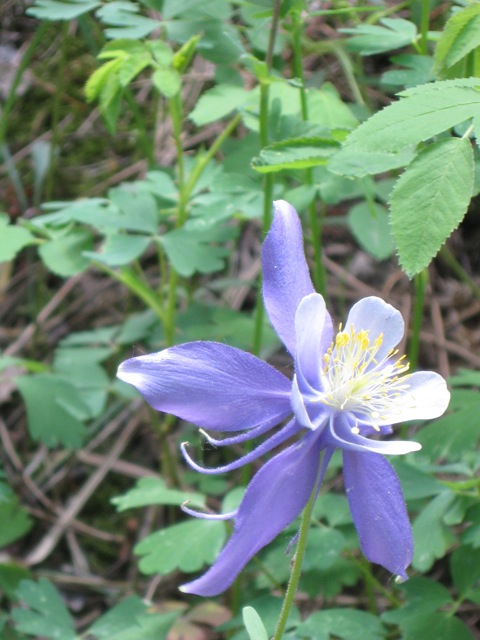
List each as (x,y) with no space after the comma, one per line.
(346,388)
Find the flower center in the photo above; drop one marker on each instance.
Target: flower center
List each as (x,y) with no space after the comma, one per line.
(360,382)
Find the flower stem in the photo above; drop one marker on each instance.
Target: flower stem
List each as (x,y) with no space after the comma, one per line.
(298,560)
(424,24)
(449,259)
(420,282)
(319,273)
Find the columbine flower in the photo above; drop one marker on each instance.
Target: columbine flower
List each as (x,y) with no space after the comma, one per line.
(347,386)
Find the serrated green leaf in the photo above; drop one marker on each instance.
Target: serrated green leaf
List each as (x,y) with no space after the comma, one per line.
(161,51)
(12,239)
(64,255)
(191,248)
(123,617)
(295,153)
(150,491)
(61,9)
(370,226)
(347,624)
(122,48)
(355,162)
(420,113)
(55,409)
(186,546)
(131,67)
(253,624)
(218,102)
(167,81)
(10,577)
(460,36)
(47,615)
(110,99)
(430,200)
(432,537)
(369,39)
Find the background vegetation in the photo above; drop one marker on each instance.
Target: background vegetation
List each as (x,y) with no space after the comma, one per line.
(142,143)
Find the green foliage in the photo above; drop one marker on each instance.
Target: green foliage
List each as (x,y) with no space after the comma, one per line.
(347,624)
(186,546)
(295,153)
(61,9)
(154,491)
(430,199)
(46,614)
(370,225)
(253,624)
(15,522)
(371,39)
(12,239)
(460,37)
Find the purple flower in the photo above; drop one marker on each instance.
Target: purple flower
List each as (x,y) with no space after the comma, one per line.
(347,386)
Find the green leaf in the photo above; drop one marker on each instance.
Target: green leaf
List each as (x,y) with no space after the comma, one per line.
(465,569)
(132,66)
(441,626)
(61,9)
(416,70)
(12,239)
(369,39)
(55,409)
(123,617)
(150,491)
(218,102)
(460,36)
(167,81)
(347,624)
(63,255)
(150,626)
(186,546)
(295,153)
(14,519)
(421,113)
(432,537)
(123,16)
(420,594)
(119,250)
(253,624)
(355,162)
(47,615)
(190,248)
(430,200)
(10,577)
(97,82)
(370,226)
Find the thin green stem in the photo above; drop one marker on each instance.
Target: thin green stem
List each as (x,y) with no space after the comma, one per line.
(424,24)
(419,283)
(56,112)
(297,563)
(22,67)
(319,272)
(449,259)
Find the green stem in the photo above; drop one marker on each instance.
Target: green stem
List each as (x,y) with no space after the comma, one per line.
(144,138)
(22,67)
(449,259)
(56,112)
(138,287)
(420,282)
(424,24)
(319,272)
(297,563)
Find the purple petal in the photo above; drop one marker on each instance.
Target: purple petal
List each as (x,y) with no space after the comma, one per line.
(376,316)
(314,331)
(340,435)
(425,397)
(274,498)
(274,441)
(213,385)
(378,509)
(286,279)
